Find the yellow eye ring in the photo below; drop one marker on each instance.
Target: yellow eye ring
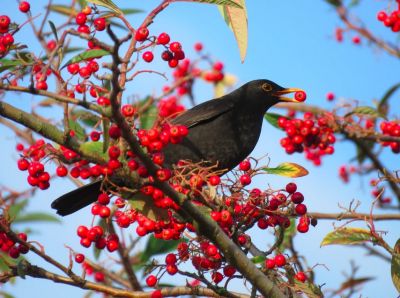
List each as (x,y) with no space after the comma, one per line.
(266,87)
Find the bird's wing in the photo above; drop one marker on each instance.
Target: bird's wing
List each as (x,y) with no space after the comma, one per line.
(204,112)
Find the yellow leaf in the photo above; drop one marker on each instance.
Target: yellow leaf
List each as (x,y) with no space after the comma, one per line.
(287,169)
(236,18)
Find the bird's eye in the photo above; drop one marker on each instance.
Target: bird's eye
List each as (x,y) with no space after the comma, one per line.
(266,87)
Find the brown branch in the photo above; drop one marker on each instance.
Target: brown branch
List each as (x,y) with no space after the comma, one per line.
(355,216)
(38,272)
(124,255)
(343,14)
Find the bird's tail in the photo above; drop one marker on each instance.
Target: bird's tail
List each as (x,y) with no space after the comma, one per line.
(77,199)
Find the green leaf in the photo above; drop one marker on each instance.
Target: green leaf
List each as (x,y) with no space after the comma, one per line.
(80,133)
(86,117)
(288,235)
(287,169)
(108,4)
(124,11)
(236,18)
(273,118)
(97,53)
(156,246)
(258,259)
(36,217)
(54,30)
(335,3)
(82,3)
(5,294)
(364,110)
(230,3)
(383,103)
(361,156)
(149,116)
(94,148)
(6,64)
(63,9)
(309,289)
(347,236)
(395,266)
(16,208)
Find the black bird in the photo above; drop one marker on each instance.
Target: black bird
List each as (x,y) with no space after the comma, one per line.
(222,131)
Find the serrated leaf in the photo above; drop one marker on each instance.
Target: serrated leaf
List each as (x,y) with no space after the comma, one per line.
(108,4)
(97,53)
(80,133)
(149,116)
(395,266)
(258,259)
(309,289)
(156,246)
(145,205)
(86,117)
(94,148)
(16,208)
(63,9)
(347,236)
(287,169)
(273,118)
(54,30)
(124,11)
(6,64)
(36,217)
(383,103)
(367,111)
(236,19)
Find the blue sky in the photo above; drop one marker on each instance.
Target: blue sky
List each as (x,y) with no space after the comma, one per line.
(291,43)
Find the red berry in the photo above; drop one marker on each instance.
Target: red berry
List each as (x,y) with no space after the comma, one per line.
(61,171)
(330,96)
(214,180)
(94,136)
(24,6)
(100,24)
(148,56)
(300,96)
(170,259)
(163,38)
(301,209)
(245,179)
(141,34)
(356,40)
(198,47)
(14,252)
(166,56)
(42,85)
(173,63)
(80,18)
(229,270)
(127,110)
(84,29)
(302,227)
(79,258)
(23,164)
(114,131)
(175,47)
(381,16)
(112,245)
(151,280)
(270,263)
(73,68)
(4,22)
(280,260)
(245,165)
(297,198)
(291,187)
(217,277)
(156,294)
(300,276)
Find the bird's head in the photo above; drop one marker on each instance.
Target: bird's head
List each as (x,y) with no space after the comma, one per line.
(268,93)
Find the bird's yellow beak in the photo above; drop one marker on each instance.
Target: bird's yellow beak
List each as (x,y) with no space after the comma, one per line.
(280,94)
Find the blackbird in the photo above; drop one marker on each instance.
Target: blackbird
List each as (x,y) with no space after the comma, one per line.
(222,132)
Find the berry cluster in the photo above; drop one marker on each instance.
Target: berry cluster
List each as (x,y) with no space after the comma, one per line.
(311,135)
(13,249)
(392,20)
(97,275)
(31,162)
(97,236)
(280,261)
(391,128)
(339,36)
(6,38)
